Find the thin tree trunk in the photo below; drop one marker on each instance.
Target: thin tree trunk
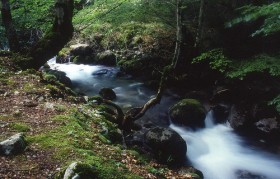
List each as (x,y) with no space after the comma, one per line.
(179,34)
(200,23)
(8,24)
(55,39)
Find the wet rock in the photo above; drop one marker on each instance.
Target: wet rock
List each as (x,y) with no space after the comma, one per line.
(188,112)
(248,175)
(222,95)
(14,145)
(107,58)
(266,125)
(100,72)
(79,170)
(238,117)
(167,145)
(269,130)
(220,113)
(107,93)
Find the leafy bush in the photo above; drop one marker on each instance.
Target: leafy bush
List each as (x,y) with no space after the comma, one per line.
(216,59)
(260,63)
(270,14)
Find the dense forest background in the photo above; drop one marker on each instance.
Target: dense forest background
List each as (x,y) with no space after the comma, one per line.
(221,39)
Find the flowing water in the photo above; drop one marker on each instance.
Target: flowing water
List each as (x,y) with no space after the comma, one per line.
(221,154)
(89,79)
(216,150)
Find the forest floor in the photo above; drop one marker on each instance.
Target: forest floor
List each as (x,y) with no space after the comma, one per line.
(57,133)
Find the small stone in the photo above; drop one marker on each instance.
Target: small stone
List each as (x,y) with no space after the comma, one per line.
(30,103)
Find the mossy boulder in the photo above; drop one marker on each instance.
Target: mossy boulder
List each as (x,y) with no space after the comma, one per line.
(188,112)
(53,75)
(81,50)
(80,170)
(167,145)
(107,58)
(107,93)
(133,67)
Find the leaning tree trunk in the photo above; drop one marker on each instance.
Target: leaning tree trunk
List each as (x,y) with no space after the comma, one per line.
(9,28)
(60,33)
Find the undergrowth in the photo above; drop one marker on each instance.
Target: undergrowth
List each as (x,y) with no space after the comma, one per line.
(78,138)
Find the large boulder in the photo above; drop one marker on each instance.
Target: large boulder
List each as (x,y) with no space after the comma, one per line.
(188,112)
(14,145)
(107,58)
(167,145)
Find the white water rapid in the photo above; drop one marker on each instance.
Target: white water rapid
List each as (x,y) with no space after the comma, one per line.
(220,154)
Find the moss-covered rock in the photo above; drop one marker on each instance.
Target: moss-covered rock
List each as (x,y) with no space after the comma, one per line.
(53,75)
(188,112)
(133,67)
(79,170)
(107,58)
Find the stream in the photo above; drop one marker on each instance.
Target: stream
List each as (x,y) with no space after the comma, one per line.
(215,150)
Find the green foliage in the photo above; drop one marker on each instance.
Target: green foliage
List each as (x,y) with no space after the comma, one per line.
(122,11)
(32,14)
(270,14)
(216,59)
(20,127)
(260,63)
(60,108)
(157,171)
(276,102)
(242,67)
(115,23)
